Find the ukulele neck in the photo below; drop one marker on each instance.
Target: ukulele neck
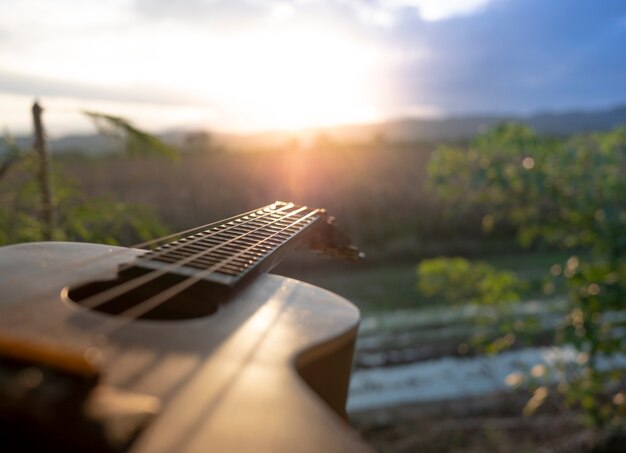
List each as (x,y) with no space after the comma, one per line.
(233,252)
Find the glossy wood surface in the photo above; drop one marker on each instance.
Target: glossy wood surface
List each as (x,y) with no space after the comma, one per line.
(228,382)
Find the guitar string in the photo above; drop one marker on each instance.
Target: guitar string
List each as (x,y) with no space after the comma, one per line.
(108,328)
(94,259)
(266,211)
(118,290)
(127,316)
(108,295)
(25,310)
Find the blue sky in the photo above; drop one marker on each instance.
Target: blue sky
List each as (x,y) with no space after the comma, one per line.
(253,64)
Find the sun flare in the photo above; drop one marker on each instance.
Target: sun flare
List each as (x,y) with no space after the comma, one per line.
(302,79)
(280,75)
(283,79)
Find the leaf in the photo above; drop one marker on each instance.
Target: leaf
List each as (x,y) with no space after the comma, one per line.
(138,142)
(11,154)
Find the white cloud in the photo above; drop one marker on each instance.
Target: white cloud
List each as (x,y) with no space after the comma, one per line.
(435,10)
(281,70)
(385,13)
(282,64)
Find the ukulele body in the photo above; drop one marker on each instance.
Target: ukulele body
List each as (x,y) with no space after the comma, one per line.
(269,371)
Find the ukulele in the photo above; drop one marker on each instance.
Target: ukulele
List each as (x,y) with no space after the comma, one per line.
(188,347)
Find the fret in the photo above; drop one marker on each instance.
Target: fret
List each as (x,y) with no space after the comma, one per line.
(194,274)
(204,244)
(250,245)
(232,272)
(235,232)
(278,224)
(235,248)
(199,247)
(273,219)
(183,253)
(274,226)
(223,268)
(242,259)
(243,242)
(219,257)
(250,239)
(223,257)
(261,231)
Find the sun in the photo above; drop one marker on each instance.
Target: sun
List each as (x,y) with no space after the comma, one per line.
(284,75)
(290,79)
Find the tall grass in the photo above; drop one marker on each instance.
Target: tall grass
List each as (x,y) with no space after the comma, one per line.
(377,192)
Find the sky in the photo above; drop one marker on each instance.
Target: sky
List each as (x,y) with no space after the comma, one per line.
(249,65)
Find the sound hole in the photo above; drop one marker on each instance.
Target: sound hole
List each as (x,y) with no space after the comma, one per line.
(199,300)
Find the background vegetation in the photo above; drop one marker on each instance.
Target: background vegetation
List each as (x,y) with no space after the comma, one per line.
(503,222)
(571,194)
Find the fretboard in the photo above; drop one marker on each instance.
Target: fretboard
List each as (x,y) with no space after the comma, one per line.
(191,276)
(235,250)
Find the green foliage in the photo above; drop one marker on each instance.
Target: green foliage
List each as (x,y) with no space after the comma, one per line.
(138,142)
(10,153)
(458,280)
(570,193)
(498,171)
(79,218)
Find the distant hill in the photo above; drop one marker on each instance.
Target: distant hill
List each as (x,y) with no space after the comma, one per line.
(575,122)
(400,131)
(88,144)
(464,127)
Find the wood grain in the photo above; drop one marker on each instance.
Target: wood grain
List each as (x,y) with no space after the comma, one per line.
(228,382)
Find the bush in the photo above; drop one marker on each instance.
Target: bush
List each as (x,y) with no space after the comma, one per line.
(459,280)
(571,194)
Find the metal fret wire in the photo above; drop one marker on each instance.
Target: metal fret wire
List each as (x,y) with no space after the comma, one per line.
(116,291)
(92,260)
(25,310)
(225,249)
(156,254)
(145,306)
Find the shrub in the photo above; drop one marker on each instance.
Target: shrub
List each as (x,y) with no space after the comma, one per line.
(459,280)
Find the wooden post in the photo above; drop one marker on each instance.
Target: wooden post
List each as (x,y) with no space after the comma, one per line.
(47,214)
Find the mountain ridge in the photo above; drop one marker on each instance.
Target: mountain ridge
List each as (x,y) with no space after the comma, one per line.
(399,130)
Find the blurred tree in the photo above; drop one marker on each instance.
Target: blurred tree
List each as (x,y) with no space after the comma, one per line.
(137,142)
(97,220)
(199,141)
(570,193)
(78,217)
(457,279)
(11,154)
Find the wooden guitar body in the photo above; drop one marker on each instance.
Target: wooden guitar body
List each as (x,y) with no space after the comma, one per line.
(268,371)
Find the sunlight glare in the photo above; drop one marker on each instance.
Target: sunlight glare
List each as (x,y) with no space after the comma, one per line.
(291,79)
(274,75)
